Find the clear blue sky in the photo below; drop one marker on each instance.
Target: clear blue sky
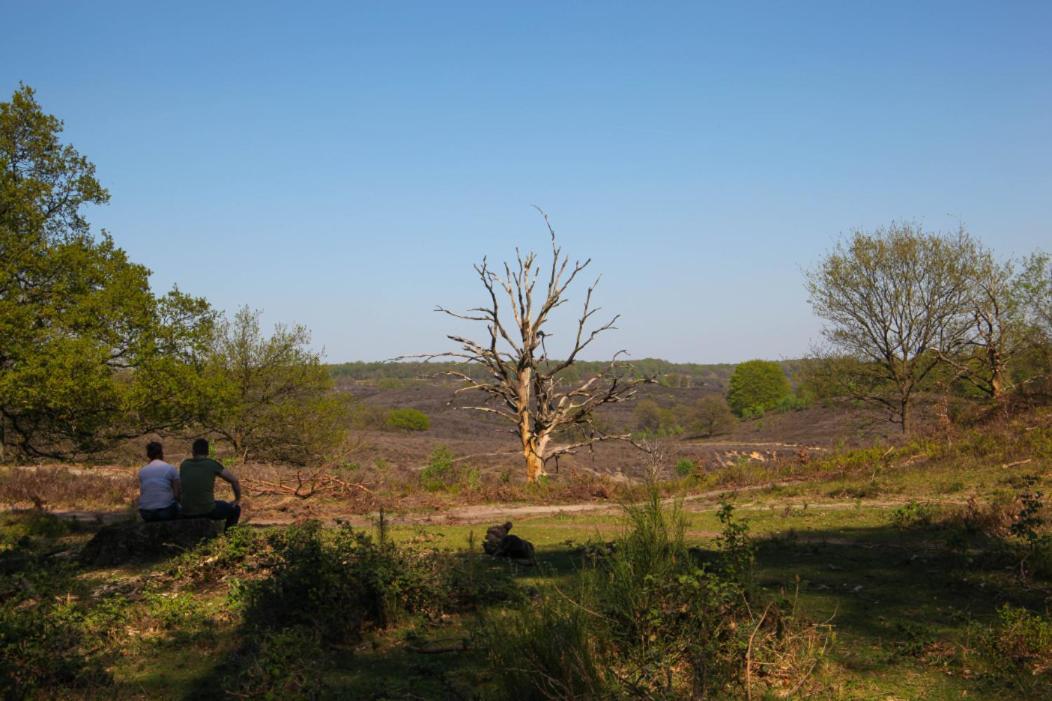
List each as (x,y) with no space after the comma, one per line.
(342,165)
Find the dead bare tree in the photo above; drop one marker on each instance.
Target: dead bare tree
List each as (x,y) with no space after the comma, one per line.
(523,383)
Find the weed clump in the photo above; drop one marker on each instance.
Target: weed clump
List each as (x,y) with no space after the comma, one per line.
(42,646)
(648,618)
(1016,651)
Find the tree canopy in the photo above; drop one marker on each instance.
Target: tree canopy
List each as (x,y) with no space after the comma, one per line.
(88,354)
(269,396)
(757,386)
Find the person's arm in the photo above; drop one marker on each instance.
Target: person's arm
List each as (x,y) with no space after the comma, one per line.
(177,486)
(234,483)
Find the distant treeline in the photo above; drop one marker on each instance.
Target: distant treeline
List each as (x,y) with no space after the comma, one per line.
(713,376)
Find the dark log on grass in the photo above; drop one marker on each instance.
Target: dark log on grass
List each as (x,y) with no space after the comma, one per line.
(134,540)
(499,543)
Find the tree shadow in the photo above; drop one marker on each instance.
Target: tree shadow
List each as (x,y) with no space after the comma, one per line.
(895,589)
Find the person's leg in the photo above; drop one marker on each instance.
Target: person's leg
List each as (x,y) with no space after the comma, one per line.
(228,511)
(168,513)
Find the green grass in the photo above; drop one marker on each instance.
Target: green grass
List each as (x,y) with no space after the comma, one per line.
(905,594)
(899,601)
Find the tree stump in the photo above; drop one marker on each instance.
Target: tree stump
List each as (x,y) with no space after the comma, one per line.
(134,540)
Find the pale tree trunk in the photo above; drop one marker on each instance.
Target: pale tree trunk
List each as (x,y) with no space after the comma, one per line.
(997,380)
(534,459)
(533,444)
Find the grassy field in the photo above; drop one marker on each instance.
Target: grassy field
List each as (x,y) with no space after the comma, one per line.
(927,570)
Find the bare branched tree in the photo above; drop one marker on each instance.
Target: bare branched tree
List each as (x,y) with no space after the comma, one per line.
(523,384)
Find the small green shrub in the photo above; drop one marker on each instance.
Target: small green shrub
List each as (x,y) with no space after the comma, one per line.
(913,515)
(439,473)
(42,646)
(1017,651)
(407,420)
(341,582)
(285,664)
(685,467)
(21,528)
(333,585)
(241,548)
(545,653)
(709,416)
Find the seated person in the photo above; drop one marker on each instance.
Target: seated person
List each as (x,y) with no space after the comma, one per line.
(198,476)
(158,487)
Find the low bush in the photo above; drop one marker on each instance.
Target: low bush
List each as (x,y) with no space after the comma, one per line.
(444,474)
(685,467)
(335,584)
(913,515)
(439,473)
(407,420)
(241,550)
(1016,651)
(286,664)
(17,530)
(546,652)
(341,582)
(41,647)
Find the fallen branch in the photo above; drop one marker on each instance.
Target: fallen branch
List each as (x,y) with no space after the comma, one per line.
(305,487)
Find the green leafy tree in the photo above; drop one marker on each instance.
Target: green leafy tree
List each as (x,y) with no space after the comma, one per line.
(710,416)
(1006,315)
(270,397)
(88,354)
(898,301)
(1033,367)
(756,386)
(649,416)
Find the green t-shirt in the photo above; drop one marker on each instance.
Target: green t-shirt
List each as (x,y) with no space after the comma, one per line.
(198,478)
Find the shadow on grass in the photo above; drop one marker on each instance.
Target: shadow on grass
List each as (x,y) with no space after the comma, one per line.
(888,591)
(893,593)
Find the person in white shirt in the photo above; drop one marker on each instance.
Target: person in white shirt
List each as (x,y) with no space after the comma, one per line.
(159,490)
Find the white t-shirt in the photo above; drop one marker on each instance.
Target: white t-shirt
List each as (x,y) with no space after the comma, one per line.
(156,489)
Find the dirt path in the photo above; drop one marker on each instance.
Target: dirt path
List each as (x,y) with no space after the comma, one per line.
(493,513)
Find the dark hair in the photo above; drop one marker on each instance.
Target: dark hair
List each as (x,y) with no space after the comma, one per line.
(154,451)
(200,447)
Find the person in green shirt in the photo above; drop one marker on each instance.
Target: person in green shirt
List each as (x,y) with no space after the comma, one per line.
(198,478)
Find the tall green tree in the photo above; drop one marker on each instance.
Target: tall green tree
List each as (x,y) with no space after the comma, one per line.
(756,386)
(88,354)
(270,397)
(897,301)
(1006,320)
